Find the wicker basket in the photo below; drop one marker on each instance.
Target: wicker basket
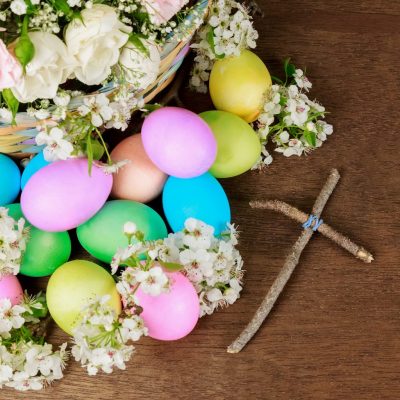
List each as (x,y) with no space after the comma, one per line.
(19,140)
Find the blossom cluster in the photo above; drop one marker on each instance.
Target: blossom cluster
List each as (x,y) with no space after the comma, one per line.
(26,360)
(289,119)
(13,236)
(227,32)
(212,264)
(101,337)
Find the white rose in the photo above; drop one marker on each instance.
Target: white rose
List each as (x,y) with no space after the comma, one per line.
(138,68)
(95,42)
(50,67)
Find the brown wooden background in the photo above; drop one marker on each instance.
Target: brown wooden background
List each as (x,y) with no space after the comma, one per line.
(335,331)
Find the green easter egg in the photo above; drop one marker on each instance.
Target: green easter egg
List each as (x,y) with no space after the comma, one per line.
(45,251)
(72,286)
(238,146)
(103,234)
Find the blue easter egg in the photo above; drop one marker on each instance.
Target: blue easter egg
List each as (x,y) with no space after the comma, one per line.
(201,197)
(33,166)
(10,180)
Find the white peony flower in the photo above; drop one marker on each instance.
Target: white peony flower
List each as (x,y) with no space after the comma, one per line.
(50,67)
(96,41)
(138,68)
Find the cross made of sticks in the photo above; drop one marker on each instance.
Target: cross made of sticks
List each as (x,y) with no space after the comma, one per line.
(311,224)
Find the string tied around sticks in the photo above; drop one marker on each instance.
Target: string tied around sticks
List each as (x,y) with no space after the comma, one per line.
(313,222)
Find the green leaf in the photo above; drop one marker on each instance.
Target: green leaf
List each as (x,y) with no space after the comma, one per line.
(134,38)
(277,80)
(171,267)
(12,103)
(310,137)
(98,150)
(210,40)
(89,151)
(63,6)
(289,68)
(24,49)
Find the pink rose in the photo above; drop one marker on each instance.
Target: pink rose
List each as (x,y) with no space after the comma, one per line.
(10,68)
(162,11)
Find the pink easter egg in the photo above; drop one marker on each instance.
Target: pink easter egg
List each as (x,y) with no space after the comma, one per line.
(172,315)
(63,195)
(10,288)
(179,142)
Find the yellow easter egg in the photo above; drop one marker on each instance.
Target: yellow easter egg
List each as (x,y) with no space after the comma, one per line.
(72,286)
(239,85)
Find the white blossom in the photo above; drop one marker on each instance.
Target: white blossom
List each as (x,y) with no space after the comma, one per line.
(57,148)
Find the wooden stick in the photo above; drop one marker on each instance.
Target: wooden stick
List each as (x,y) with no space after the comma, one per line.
(290,264)
(324,229)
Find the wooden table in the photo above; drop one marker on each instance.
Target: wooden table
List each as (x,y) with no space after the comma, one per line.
(335,331)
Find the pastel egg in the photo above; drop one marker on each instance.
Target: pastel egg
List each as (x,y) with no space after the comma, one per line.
(238,145)
(72,286)
(37,162)
(10,288)
(10,180)
(179,142)
(140,180)
(202,198)
(172,315)
(45,251)
(63,195)
(103,234)
(239,85)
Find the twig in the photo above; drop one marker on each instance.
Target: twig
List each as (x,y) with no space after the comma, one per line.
(324,229)
(290,264)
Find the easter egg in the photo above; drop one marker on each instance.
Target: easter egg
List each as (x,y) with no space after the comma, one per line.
(179,142)
(10,180)
(63,195)
(103,234)
(32,167)
(238,145)
(140,180)
(239,84)
(10,288)
(72,286)
(45,251)
(202,198)
(171,315)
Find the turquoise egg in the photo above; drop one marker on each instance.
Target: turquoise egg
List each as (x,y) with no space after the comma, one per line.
(10,180)
(33,166)
(103,234)
(202,198)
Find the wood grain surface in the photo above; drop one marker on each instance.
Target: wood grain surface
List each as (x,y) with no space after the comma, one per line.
(335,331)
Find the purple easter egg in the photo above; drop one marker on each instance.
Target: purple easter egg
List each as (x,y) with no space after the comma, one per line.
(179,142)
(63,195)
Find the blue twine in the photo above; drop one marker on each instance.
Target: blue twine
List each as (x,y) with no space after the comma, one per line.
(313,219)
